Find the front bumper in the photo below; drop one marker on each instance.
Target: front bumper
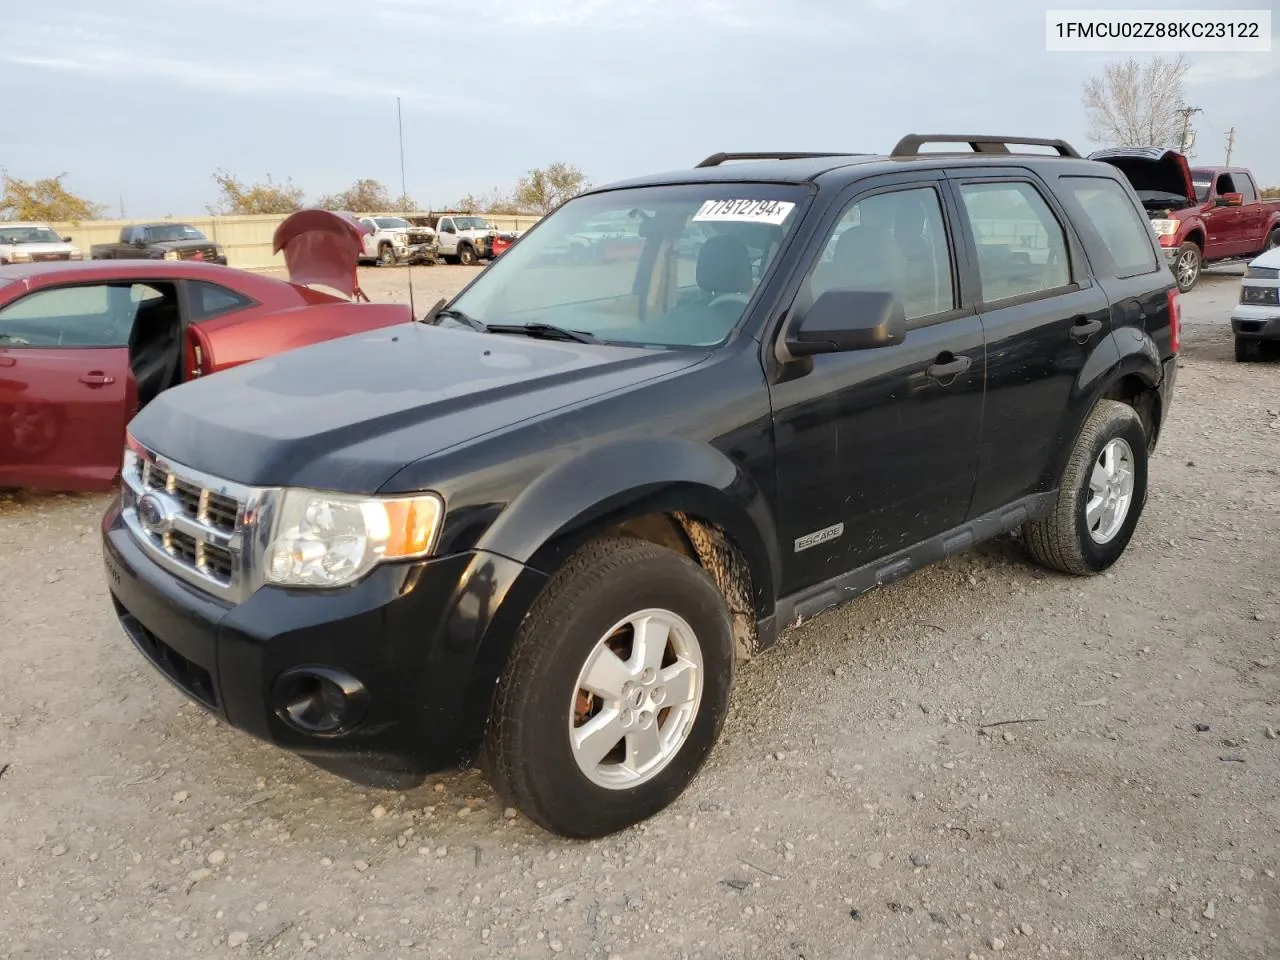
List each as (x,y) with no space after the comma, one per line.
(416,638)
(1255,322)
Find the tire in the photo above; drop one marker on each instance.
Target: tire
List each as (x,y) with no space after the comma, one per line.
(1071,538)
(528,753)
(1273,240)
(1186,266)
(386,255)
(1246,350)
(467,256)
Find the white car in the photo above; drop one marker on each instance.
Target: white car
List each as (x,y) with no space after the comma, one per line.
(34,243)
(1255,321)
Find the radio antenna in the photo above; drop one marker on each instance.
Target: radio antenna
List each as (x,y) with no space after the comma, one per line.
(404,201)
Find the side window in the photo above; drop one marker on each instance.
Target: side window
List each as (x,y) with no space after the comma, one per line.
(90,316)
(1021,246)
(1225,184)
(210,300)
(1109,211)
(1244,183)
(446,226)
(896,242)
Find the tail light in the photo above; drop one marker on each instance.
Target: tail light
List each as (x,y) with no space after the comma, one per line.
(1175,319)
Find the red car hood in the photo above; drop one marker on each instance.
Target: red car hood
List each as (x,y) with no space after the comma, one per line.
(1151,170)
(322,247)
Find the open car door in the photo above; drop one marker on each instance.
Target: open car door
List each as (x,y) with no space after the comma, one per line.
(66,389)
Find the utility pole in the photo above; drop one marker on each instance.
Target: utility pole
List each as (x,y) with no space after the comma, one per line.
(1186,125)
(122,206)
(1231,142)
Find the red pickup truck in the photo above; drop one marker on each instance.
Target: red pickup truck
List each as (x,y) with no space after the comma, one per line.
(1202,215)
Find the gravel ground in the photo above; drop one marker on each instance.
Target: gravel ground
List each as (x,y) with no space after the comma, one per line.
(863,803)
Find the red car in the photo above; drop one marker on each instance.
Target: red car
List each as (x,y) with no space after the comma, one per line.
(84,346)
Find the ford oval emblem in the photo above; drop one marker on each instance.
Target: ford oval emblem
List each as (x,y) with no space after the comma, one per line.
(151,514)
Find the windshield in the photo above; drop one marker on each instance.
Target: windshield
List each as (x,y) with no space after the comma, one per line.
(28,235)
(171,232)
(472,223)
(663,266)
(391,223)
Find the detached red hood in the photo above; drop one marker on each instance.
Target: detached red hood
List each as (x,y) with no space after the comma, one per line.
(321,246)
(1151,169)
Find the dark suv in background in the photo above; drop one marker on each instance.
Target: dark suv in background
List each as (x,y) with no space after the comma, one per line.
(544,524)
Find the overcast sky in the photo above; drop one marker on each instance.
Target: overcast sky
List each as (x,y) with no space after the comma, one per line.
(144,98)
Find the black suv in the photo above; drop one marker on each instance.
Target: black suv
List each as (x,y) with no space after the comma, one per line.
(542,525)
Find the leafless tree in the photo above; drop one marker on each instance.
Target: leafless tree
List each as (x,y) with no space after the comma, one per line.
(1134,104)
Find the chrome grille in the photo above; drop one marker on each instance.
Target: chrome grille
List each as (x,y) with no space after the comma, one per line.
(199,527)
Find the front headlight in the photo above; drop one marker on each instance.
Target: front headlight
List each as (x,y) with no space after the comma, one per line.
(1164,228)
(331,540)
(75,254)
(402,238)
(20,256)
(172,255)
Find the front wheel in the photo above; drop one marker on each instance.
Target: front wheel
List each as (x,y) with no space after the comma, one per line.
(467,256)
(1103,491)
(615,691)
(1273,240)
(1186,266)
(386,256)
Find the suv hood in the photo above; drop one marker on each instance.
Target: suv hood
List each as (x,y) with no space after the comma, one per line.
(1152,170)
(347,414)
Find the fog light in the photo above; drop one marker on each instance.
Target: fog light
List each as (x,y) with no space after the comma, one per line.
(320,700)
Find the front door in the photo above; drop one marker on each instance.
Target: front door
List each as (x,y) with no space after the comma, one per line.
(66,390)
(877,449)
(448,234)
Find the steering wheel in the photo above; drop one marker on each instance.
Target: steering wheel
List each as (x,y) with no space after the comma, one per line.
(740,298)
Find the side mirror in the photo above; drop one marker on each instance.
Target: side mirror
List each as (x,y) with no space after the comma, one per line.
(1231,200)
(66,239)
(139,241)
(841,320)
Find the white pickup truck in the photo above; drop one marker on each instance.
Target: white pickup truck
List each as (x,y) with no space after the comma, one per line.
(387,243)
(34,243)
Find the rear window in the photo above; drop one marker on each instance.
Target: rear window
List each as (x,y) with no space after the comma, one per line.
(1113,217)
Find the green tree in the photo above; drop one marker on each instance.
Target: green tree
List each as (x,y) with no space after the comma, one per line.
(235,198)
(367,196)
(542,190)
(45,199)
(1137,105)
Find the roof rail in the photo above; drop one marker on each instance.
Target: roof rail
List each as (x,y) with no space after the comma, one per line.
(718,158)
(909,146)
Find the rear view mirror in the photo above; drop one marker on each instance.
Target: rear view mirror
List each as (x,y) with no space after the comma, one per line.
(1231,200)
(841,320)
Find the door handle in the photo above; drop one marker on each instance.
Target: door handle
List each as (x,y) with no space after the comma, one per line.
(1083,329)
(96,378)
(944,369)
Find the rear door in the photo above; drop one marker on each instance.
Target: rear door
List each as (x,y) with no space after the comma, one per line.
(1252,218)
(1042,314)
(66,390)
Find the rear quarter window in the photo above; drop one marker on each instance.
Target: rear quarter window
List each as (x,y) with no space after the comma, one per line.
(209,300)
(1109,214)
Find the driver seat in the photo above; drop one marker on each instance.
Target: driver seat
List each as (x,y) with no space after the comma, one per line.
(724,266)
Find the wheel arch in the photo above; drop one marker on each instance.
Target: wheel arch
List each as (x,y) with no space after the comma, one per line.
(1128,370)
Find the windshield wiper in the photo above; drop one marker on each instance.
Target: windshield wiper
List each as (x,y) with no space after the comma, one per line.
(545,331)
(438,311)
